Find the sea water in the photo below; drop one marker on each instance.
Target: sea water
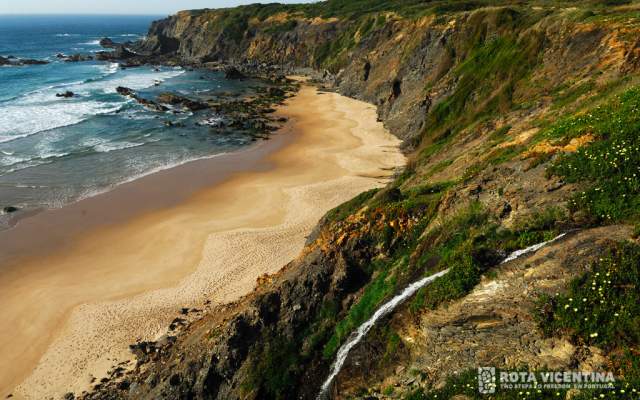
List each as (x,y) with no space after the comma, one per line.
(57,150)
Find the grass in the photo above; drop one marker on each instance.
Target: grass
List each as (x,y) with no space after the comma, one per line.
(610,166)
(601,308)
(350,207)
(387,273)
(470,244)
(381,288)
(275,368)
(490,72)
(282,27)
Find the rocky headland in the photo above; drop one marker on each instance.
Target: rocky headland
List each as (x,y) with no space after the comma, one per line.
(520,121)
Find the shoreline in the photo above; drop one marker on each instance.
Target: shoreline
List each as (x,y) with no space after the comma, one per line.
(208,244)
(148,193)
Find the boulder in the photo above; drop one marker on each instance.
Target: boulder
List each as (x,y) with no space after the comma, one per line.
(66,94)
(125,91)
(10,209)
(107,43)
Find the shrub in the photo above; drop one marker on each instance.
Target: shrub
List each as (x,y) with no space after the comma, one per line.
(610,166)
(601,308)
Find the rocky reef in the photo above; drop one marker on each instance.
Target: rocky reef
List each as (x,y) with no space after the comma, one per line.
(11,61)
(521,122)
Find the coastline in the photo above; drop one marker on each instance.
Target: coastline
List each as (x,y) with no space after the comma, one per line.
(203,244)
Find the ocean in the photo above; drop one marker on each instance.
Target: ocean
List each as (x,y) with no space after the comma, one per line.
(57,150)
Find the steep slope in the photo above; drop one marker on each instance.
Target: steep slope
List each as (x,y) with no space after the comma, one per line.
(521,121)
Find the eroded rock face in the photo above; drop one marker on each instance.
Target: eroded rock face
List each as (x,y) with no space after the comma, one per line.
(493,325)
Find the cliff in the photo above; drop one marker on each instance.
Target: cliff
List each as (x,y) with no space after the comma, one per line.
(521,122)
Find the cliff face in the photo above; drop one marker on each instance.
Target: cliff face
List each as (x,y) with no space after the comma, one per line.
(504,110)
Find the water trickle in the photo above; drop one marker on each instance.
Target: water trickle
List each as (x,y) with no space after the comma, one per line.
(389,306)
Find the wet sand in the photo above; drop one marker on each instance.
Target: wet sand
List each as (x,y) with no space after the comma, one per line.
(79,284)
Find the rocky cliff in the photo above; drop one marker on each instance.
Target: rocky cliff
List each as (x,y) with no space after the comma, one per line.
(521,121)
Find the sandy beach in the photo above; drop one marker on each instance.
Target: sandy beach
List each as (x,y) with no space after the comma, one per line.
(105,273)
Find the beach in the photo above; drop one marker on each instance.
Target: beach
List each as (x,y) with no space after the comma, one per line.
(81,283)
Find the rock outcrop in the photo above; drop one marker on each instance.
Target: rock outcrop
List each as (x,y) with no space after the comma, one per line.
(17,62)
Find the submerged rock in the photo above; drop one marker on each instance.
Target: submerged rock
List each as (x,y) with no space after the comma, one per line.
(152,105)
(125,91)
(12,61)
(174,99)
(66,94)
(78,58)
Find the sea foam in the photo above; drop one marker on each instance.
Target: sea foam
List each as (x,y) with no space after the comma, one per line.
(41,110)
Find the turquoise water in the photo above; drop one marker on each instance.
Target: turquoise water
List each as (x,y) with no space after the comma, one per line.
(54,151)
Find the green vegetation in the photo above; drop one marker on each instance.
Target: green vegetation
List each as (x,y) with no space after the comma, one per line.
(610,166)
(470,243)
(282,27)
(387,273)
(274,368)
(466,384)
(351,206)
(601,308)
(490,72)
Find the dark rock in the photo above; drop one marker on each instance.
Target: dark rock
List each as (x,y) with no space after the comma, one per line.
(66,94)
(233,73)
(10,209)
(107,43)
(69,396)
(174,99)
(396,89)
(506,210)
(10,60)
(125,91)
(175,380)
(366,71)
(122,52)
(124,385)
(78,58)
(276,92)
(33,62)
